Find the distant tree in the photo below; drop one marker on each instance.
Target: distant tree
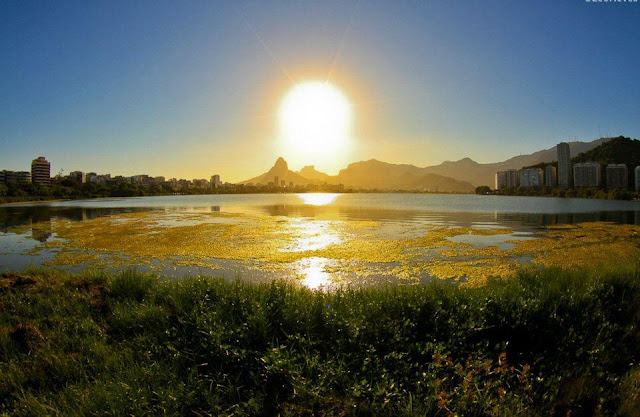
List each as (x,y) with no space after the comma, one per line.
(483,190)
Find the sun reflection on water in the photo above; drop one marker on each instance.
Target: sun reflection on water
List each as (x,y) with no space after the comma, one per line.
(311,235)
(313,271)
(318,199)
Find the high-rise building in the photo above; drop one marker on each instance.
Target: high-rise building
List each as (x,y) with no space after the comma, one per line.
(215,181)
(500,180)
(290,184)
(637,177)
(507,179)
(513,179)
(564,165)
(617,176)
(551,176)
(276,181)
(40,171)
(586,174)
(531,177)
(283,183)
(2,177)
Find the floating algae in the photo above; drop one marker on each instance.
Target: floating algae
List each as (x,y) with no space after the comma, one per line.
(321,252)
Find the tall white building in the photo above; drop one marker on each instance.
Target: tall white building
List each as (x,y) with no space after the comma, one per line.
(586,174)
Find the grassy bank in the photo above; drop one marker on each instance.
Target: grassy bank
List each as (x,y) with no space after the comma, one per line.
(96,344)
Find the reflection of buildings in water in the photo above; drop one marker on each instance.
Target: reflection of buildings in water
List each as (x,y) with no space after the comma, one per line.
(215,209)
(39,218)
(552,219)
(517,221)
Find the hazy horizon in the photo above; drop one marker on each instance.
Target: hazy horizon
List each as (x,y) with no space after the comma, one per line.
(190,91)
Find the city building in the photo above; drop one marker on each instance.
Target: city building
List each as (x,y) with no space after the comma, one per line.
(103,179)
(182,183)
(91,177)
(551,176)
(500,180)
(586,174)
(2,177)
(40,171)
(637,177)
(17,177)
(507,179)
(290,184)
(201,183)
(513,179)
(159,180)
(531,177)
(215,181)
(140,179)
(564,166)
(617,176)
(283,183)
(276,181)
(78,176)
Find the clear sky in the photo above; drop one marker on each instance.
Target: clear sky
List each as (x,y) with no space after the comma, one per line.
(189,89)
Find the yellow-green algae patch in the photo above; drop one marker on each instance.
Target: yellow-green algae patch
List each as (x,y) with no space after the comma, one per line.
(583,244)
(350,247)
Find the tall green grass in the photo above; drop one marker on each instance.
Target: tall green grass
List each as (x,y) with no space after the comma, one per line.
(550,341)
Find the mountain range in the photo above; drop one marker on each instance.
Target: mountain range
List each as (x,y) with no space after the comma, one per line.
(450,176)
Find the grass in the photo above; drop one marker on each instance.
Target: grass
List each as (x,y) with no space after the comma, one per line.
(551,342)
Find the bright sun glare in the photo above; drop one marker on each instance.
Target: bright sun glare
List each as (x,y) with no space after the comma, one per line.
(315,120)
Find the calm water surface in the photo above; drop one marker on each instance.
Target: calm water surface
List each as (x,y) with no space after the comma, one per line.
(23,228)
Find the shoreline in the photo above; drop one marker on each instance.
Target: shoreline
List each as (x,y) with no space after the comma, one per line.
(12,203)
(496,194)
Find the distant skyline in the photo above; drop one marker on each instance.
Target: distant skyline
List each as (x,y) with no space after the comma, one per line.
(192,89)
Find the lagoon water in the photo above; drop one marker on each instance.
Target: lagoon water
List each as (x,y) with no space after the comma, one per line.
(29,233)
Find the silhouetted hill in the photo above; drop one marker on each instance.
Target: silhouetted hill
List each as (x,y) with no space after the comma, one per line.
(310,173)
(374,174)
(482,174)
(620,150)
(450,176)
(371,174)
(281,170)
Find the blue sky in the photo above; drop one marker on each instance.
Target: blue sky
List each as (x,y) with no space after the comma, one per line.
(188,89)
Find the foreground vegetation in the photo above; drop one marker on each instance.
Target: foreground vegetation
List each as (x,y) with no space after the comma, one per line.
(543,342)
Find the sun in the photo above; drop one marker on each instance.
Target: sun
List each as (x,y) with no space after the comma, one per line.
(315,121)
